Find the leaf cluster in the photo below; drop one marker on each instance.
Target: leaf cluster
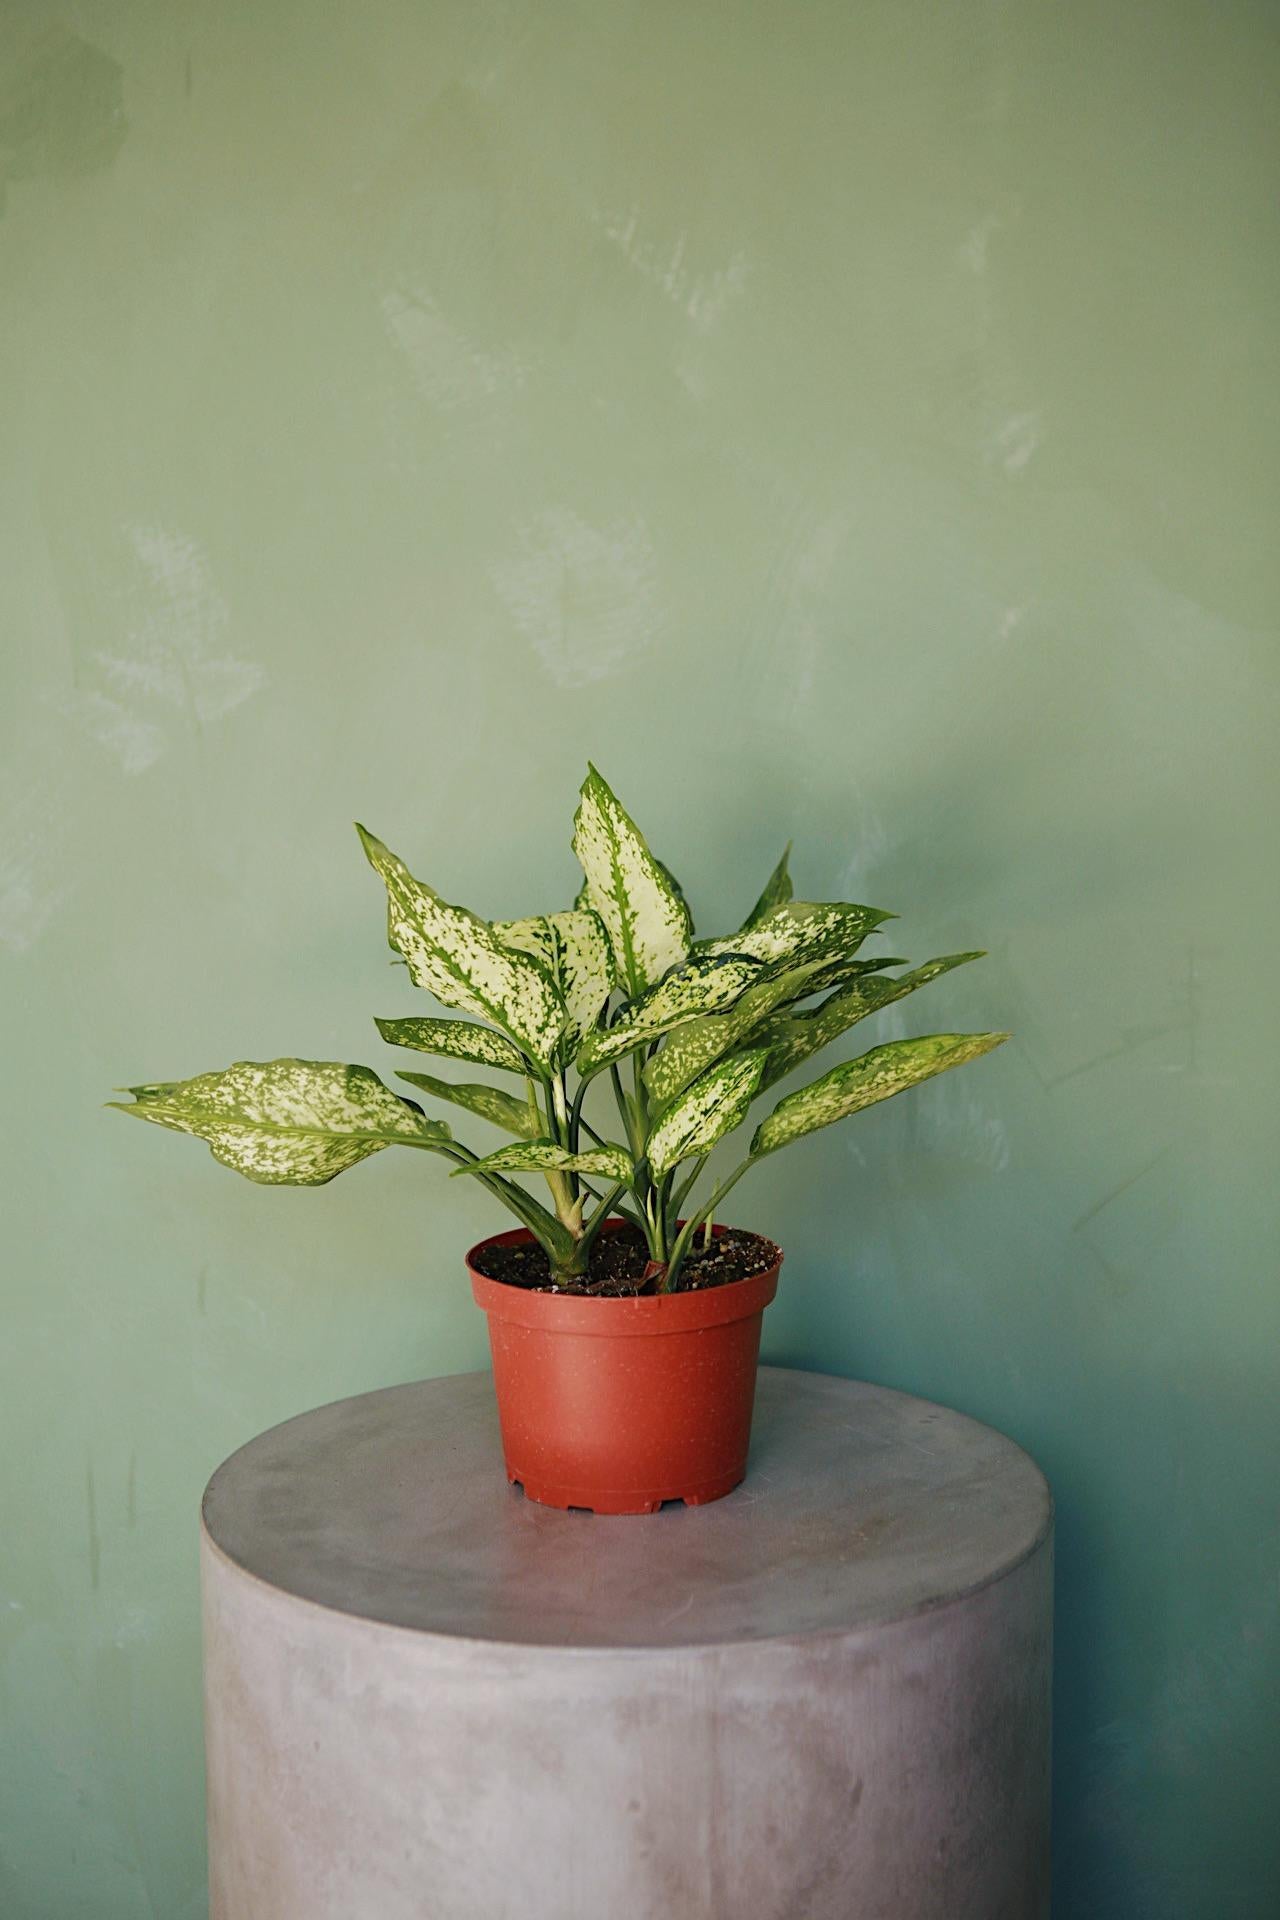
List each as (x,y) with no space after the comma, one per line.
(617,992)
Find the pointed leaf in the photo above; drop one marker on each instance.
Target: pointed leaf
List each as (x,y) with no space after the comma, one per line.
(574,949)
(800,932)
(702,985)
(859,1083)
(453,954)
(713,1106)
(456,1040)
(546,1156)
(677,889)
(777,891)
(644,913)
(292,1123)
(513,1116)
(838,973)
(792,1037)
(690,1049)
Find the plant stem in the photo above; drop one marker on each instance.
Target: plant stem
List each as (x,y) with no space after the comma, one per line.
(685,1237)
(687,1185)
(575,1117)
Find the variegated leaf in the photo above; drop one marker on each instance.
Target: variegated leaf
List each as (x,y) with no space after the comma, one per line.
(793,1037)
(799,933)
(292,1123)
(455,1040)
(513,1116)
(703,985)
(643,911)
(455,956)
(713,1106)
(574,949)
(690,1049)
(677,889)
(838,973)
(545,1156)
(859,1083)
(777,891)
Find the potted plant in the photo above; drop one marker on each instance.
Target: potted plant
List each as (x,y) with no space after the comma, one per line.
(624,1318)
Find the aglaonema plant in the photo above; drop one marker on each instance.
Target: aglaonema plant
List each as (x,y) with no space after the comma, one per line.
(614,991)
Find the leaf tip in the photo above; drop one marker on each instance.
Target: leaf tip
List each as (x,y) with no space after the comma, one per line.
(374,849)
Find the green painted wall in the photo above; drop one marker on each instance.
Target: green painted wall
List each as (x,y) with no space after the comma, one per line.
(853,422)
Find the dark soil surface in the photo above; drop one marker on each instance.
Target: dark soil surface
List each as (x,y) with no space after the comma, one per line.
(619,1260)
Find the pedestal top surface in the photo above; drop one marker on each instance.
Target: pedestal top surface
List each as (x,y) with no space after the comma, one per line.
(860,1506)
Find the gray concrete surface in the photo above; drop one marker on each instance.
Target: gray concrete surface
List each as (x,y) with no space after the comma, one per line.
(825,1697)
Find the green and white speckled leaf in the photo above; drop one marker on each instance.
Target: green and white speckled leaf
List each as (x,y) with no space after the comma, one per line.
(777,892)
(545,1156)
(872,1077)
(714,1105)
(692,1048)
(677,889)
(793,1037)
(453,954)
(643,911)
(513,1116)
(455,1040)
(293,1123)
(704,985)
(799,933)
(574,949)
(838,973)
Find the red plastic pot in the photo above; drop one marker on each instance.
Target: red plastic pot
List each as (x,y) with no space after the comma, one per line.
(618,1405)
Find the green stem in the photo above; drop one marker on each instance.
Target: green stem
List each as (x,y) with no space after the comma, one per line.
(687,1185)
(575,1117)
(624,1108)
(685,1236)
(599,1217)
(560,1110)
(551,1234)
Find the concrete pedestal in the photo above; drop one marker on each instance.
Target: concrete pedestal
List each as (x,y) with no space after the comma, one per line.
(825,1697)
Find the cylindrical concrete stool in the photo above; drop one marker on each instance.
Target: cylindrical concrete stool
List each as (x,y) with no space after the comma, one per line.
(825,1697)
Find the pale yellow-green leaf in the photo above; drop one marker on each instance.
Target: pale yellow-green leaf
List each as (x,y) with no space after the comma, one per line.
(859,1083)
(574,949)
(703,985)
(690,1049)
(793,1037)
(714,1105)
(800,932)
(454,1040)
(545,1156)
(500,1109)
(290,1123)
(644,914)
(455,956)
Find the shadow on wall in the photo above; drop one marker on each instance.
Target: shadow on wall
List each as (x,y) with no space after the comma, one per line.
(61,109)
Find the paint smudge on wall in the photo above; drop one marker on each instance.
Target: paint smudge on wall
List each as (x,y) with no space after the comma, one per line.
(1014,442)
(61,109)
(447,369)
(28,900)
(794,613)
(703,297)
(584,596)
(873,847)
(171,663)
